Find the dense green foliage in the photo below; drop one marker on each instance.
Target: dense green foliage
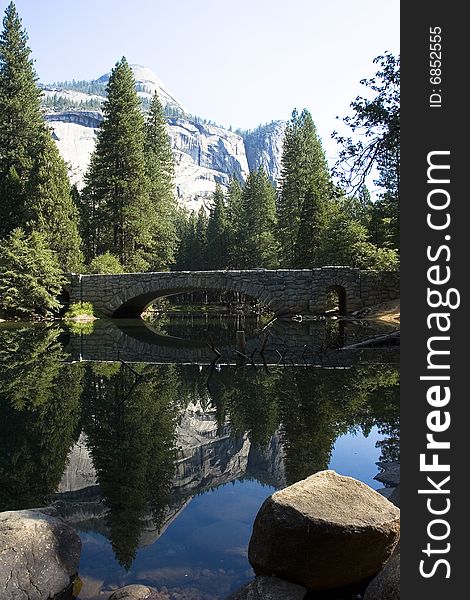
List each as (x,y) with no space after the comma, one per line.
(192,251)
(127,205)
(79,308)
(30,276)
(256,223)
(216,251)
(160,172)
(50,209)
(35,192)
(238,233)
(20,121)
(105,264)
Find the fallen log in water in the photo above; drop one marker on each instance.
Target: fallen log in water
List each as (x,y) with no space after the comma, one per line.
(388,339)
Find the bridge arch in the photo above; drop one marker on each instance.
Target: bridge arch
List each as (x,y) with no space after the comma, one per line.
(340,292)
(135,306)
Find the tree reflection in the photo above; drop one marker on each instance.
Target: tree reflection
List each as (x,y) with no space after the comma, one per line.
(318,405)
(129,414)
(39,414)
(129,419)
(311,407)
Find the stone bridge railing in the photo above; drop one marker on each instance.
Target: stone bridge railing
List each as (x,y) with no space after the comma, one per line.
(283,291)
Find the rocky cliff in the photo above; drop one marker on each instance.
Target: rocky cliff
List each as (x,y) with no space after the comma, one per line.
(205,154)
(263,148)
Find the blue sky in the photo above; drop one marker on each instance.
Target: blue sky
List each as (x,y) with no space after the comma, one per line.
(237,62)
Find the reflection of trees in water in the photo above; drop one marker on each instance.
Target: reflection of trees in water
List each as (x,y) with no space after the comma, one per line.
(318,405)
(39,413)
(311,406)
(129,419)
(130,416)
(247,398)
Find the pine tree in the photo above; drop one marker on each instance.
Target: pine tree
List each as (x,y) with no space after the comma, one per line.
(234,222)
(200,241)
(193,240)
(20,120)
(304,174)
(51,209)
(30,276)
(341,235)
(160,173)
(34,187)
(258,248)
(216,237)
(311,231)
(116,198)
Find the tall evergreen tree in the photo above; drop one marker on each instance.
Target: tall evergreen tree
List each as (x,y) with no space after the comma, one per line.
(116,194)
(200,240)
(34,187)
(51,209)
(185,227)
(160,172)
(304,174)
(311,231)
(234,221)
(20,120)
(192,250)
(258,246)
(217,242)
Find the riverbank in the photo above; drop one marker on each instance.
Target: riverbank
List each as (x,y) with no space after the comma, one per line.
(387,312)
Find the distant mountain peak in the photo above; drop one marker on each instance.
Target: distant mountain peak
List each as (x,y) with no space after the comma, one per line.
(147,83)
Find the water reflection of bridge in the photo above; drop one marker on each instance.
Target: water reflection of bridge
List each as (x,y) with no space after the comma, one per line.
(283,342)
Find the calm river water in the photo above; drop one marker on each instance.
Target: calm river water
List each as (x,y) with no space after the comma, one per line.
(160,456)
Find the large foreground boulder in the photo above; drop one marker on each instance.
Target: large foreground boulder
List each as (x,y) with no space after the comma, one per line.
(269,588)
(386,586)
(327,531)
(39,554)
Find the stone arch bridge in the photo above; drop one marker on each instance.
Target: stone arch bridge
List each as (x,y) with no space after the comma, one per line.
(283,291)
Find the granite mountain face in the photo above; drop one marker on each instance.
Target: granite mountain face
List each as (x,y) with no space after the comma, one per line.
(205,153)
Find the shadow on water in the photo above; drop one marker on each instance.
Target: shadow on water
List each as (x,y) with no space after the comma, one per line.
(123,448)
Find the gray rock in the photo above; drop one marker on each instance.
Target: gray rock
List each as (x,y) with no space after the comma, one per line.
(395,496)
(264,148)
(390,474)
(325,532)
(138,592)
(269,588)
(386,586)
(39,553)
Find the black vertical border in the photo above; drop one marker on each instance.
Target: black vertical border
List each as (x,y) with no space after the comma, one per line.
(425,129)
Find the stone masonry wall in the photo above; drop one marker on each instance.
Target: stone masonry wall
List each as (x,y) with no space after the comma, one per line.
(284,291)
